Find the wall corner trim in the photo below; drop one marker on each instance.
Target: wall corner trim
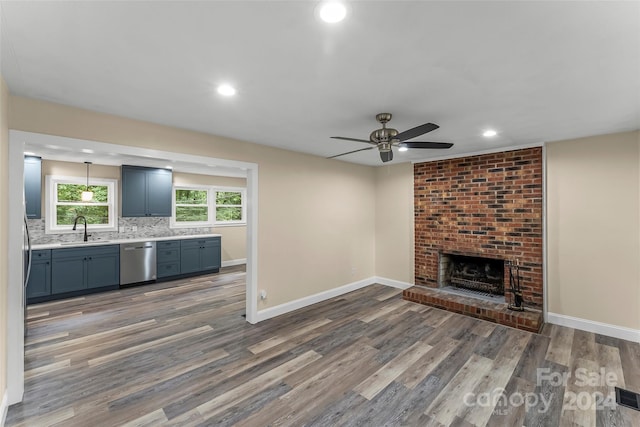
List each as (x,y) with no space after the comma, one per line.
(595,327)
(3,408)
(391,282)
(233,262)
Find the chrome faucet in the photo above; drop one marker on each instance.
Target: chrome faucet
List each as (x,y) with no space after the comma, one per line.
(75,223)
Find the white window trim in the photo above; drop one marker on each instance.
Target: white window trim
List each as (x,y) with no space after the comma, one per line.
(211,222)
(50,203)
(175,224)
(241,190)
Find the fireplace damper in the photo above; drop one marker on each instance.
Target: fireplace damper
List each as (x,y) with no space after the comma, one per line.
(473,273)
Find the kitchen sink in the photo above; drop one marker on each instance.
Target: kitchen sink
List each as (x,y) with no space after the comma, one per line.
(91,242)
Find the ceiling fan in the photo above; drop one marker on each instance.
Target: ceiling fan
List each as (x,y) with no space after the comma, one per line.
(386,138)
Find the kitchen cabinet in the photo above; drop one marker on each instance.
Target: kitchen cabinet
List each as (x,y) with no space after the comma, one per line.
(168,258)
(146,192)
(33,186)
(78,269)
(39,284)
(200,255)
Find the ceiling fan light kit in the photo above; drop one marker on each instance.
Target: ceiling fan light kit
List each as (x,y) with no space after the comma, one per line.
(384,139)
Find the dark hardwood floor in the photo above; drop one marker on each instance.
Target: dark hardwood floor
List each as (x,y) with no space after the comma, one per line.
(180,353)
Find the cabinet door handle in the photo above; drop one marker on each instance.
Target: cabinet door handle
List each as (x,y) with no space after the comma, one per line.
(47,262)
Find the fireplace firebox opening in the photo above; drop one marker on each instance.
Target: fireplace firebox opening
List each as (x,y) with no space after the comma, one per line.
(472,273)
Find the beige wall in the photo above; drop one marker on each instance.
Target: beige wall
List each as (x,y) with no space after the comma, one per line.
(394,222)
(4,203)
(593,217)
(316,217)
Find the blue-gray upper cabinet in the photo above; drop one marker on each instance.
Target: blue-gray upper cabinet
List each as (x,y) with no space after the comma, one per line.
(146,191)
(200,255)
(77,269)
(39,284)
(32,186)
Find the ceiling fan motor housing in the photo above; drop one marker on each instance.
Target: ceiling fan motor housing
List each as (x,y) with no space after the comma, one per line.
(382,135)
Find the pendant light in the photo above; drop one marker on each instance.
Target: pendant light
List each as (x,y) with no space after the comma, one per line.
(87,195)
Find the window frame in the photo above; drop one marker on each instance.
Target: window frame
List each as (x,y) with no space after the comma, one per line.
(243,206)
(51,202)
(173,223)
(212,191)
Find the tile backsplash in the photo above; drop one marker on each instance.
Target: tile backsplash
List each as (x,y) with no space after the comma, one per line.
(144,227)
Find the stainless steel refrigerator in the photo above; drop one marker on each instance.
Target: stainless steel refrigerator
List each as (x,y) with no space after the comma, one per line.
(26,258)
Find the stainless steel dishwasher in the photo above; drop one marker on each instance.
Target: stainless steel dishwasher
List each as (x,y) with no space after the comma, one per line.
(137,262)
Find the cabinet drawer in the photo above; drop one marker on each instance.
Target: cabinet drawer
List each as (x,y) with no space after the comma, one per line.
(166,255)
(167,269)
(43,254)
(168,244)
(211,241)
(85,251)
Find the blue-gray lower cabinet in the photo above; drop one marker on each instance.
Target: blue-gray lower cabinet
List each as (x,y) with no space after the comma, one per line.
(200,255)
(188,256)
(168,258)
(39,284)
(78,269)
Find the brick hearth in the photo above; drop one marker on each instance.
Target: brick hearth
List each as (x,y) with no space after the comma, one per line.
(528,320)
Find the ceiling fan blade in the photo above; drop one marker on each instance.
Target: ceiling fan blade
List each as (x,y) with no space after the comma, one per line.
(416,131)
(427,144)
(354,151)
(353,139)
(386,156)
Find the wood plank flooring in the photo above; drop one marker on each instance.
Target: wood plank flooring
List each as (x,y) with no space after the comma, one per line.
(181,354)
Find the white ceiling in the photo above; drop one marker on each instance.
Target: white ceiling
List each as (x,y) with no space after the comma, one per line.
(534,71)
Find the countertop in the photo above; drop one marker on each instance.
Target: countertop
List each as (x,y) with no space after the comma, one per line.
(98,242)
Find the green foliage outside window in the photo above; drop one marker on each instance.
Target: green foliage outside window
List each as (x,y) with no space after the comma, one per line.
(66,214)
(225,213)
(228,198)
(228,206)
(198,212)
(191,197)
(193,206)
(70,204)
(73,193)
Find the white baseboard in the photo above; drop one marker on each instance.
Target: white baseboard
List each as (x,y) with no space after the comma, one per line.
(3,409)
(595,327)
(287,307)
(390,282)
(232,262)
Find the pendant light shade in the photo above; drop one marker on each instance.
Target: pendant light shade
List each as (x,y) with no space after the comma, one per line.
(87,195)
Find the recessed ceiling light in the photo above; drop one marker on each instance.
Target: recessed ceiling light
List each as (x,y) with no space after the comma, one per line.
(87,151)
(168,167)
(402,148)
(29,153)
(332,12)
(489,133)
(226,90)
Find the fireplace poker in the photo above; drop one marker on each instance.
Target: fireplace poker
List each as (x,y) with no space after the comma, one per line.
(514,285)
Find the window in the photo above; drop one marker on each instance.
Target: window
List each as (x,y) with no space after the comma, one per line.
(191,206)
(230,207)
(207,206)
(64,204)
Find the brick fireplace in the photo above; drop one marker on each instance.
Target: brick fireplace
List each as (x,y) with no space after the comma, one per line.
(487,206)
